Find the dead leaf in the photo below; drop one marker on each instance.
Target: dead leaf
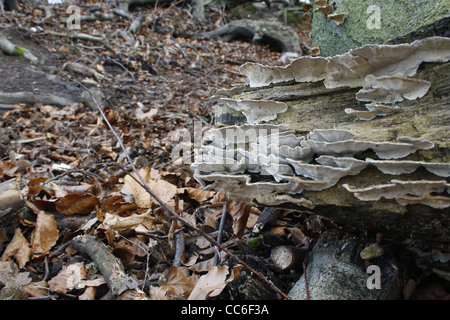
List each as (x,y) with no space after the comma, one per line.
(77,204)
(68,278)
(163,189)
(239,211)
(8,169)
(88,294)
(210,284)
(115,222)
(126,250)
(19,248)
(45,235)
(198,194)
(118,205)
(35,186)
(178,283)
(36,289)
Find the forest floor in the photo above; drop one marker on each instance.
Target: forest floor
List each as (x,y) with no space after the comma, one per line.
(75,178)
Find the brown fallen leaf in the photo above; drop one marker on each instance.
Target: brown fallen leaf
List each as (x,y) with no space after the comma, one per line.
(145,220)
(166,191)
(239,211)
(118,205)
(37,289)
(178,283)
(210,284)
(77,204)
(68,278)
(45,235)
(197,194)
(7,169)
(35,186)
(19,248)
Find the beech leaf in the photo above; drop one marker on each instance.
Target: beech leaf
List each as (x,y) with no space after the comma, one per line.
(240,212)
(74,203)
(19,248)
(45,234)
(210,284)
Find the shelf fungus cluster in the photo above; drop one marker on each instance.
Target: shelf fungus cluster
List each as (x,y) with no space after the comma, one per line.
(271,165)
(294,142)
(384,73)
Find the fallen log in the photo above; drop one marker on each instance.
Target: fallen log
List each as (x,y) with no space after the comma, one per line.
(269,31)
(11,98)
(330,135)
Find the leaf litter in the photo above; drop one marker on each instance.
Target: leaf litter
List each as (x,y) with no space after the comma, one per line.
(75,179)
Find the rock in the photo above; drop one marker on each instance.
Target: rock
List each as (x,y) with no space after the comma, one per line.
(336,272)
(380,21)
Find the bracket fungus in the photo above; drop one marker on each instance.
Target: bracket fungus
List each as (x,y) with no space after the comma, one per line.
(257,111)
(406,192)
(373,110)
(302,146)
(338,18)
(391,89)
(352,68)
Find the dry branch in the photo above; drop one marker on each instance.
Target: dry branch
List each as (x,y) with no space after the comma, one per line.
(122,286)
(84,37)
(31,98)
(287,257)
(11,49)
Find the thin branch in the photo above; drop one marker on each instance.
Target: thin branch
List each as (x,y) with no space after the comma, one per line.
(220,234)
(186,223)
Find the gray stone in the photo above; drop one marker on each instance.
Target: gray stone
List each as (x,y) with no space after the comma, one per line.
(335,271)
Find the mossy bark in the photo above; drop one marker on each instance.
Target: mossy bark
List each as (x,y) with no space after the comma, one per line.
(399,21)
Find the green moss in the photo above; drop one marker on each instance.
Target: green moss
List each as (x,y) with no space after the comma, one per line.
(19,51)
(400,21)
(244,10)
(294,17)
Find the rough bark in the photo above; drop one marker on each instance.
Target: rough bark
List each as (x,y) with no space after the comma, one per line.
(122,286)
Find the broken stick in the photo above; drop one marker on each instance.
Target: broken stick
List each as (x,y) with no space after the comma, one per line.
(122,286)
(11,201)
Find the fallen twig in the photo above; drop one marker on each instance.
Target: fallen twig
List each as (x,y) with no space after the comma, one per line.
(141,181)
(12,98)
(179,248)
(11,49)
(220,234)
(122,286)
(84,37)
